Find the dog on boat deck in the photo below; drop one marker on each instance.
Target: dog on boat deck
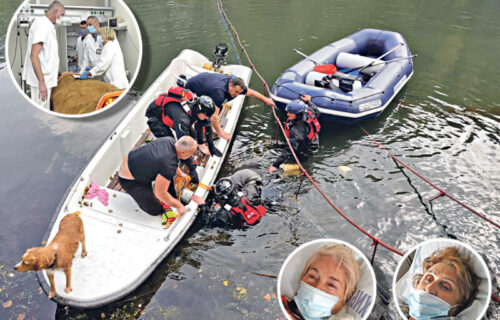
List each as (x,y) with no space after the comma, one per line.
(58,254)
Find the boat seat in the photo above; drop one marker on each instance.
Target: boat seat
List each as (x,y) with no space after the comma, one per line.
(122,209)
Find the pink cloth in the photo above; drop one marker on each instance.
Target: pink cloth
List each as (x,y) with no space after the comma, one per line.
(102,194)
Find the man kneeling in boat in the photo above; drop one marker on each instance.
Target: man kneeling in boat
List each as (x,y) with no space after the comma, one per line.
(301,129)
(222,88)
(178,110)
(156,161)
(235,201)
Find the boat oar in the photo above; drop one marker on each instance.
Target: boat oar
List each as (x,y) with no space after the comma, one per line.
(322,68)
(378,59)
(382,56)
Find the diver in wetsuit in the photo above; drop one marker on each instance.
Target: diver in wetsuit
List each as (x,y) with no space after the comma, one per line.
(301,128)
(235,201)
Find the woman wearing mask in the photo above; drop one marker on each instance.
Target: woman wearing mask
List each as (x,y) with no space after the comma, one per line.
(447,286)
(328,281)
(111,64)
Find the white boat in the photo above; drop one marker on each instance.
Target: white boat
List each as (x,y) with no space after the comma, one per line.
(124,243)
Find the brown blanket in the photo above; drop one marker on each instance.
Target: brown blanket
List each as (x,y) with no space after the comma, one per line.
(73,96)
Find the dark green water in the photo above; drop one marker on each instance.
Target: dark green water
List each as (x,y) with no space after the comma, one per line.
(445,123)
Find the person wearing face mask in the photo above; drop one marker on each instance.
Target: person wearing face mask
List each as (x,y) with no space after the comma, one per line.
(222,88)
(79,45)
(111,64)
(92,45)
(328,281)
(42,57)
(447,286)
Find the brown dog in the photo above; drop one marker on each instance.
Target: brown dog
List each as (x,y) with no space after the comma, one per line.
(58,254)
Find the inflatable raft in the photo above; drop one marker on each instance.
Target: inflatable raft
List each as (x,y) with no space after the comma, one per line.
(372,67)
(125,244)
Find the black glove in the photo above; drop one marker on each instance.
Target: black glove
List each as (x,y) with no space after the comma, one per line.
(194,177)
(215,152)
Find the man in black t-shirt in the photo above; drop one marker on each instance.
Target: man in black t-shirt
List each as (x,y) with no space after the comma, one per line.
(158,162)
(222,88)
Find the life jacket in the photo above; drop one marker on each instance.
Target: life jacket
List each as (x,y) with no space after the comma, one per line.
(311,120)
(174,94)
(250,213)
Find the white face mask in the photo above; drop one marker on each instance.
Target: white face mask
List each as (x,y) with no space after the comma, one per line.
(313,303)
(424,305)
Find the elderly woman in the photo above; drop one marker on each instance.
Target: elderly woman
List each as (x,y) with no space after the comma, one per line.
(447,286)
(111,64)
(327,282)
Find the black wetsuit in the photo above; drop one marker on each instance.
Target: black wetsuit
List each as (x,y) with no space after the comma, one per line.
(216,213)
(299,130)
(158,157)
(183,124)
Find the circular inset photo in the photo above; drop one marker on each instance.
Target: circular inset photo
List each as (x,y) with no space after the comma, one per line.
(326,279)
(73,58)
(442,279)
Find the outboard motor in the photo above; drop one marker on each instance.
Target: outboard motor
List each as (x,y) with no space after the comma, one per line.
(220,54)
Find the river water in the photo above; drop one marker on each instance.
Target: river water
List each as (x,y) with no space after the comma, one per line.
(444,123)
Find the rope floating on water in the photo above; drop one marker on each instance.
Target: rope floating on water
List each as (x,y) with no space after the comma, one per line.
(441,191)
(219,6)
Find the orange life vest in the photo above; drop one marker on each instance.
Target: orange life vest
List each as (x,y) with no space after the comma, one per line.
(311,120)
(174,94)
(250,213)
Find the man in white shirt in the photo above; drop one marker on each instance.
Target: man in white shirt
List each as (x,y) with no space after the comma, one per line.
(80,49)
(42,57)
(92,45)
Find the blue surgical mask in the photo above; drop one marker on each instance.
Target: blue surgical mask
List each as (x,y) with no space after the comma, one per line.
(83,32)
(313,303)
(424,305)
(91,29)
(99,39)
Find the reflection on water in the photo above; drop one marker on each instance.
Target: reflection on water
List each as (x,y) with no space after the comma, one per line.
(445,124)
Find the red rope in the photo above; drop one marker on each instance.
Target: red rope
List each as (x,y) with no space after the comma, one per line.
(441,191)
(375,239)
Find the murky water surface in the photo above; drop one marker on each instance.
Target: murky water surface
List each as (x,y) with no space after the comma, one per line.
(445,123)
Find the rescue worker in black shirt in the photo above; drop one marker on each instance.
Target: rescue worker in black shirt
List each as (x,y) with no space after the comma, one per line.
(301,128)
(235,201)
(158,162)
(178,110)
(222,88)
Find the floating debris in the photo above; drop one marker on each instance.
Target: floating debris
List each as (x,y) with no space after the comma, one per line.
(225,283)
(343,170)
(7,304)
(267,297)
(290,169)
(21,316)
(240,293)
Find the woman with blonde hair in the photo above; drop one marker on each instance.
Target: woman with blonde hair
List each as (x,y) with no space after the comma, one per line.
(447,286)
(111,64)
(328,280)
